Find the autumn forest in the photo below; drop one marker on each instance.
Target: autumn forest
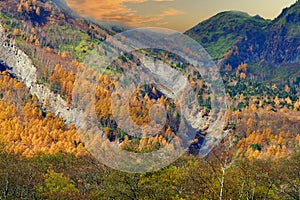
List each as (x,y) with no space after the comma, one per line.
(44,157)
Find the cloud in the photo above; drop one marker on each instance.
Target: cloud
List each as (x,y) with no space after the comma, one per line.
(171,12)
(116,11)
(113,11)
(163,0)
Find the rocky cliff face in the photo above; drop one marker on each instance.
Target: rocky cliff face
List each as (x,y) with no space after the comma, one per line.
(21,67)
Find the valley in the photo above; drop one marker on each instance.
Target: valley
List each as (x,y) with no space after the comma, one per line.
(48,114)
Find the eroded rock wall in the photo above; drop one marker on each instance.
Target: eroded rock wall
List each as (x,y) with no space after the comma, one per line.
(21,67)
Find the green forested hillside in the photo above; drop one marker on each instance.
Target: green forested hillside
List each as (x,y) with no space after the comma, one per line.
(269,47)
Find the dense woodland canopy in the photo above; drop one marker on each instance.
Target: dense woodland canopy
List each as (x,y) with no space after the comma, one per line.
(43,158)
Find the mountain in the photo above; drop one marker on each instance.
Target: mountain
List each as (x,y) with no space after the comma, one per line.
(235,37)
(43,155)
(219,33)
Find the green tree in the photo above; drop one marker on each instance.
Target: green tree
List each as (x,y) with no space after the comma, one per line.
(57,186)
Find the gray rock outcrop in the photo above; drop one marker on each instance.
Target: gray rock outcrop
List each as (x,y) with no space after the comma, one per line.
(21,67)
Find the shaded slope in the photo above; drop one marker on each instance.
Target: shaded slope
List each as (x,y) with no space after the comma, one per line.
(225,29)
(270,48)
(257,39)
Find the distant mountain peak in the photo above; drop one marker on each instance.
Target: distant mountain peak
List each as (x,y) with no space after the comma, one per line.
(289,15)
(225,29)
(252,39)
(234,12)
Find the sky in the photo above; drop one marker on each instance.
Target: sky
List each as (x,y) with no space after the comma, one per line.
(179,15)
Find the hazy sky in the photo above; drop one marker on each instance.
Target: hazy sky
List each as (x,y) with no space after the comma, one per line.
(174,14)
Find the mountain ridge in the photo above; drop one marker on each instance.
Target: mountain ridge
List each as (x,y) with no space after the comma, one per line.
(271,48)
(218,33)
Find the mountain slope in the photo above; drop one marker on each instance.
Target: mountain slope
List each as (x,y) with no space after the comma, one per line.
(271,48)
(225,29)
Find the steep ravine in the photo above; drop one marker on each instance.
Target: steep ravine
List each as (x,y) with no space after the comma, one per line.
(21,67)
